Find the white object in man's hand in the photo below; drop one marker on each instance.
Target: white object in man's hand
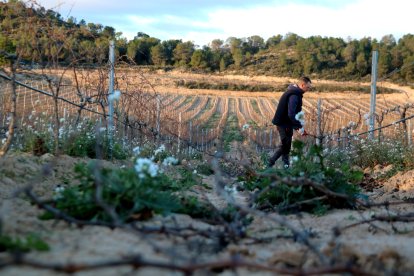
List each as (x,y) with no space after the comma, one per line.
(302,131)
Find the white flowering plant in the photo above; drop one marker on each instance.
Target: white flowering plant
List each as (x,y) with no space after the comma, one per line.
(130,191)
(308,166)
(135,192)
(155,153)
(82,139)
(367,153)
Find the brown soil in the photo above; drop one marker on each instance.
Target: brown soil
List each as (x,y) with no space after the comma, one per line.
(379,247)
(164,82)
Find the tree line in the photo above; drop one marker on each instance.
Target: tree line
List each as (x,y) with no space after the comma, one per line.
(43,37)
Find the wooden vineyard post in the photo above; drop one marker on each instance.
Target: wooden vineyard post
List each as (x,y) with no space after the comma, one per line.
(348,137)
(338,139)
(190,131)
(24,108)
(211,137)
(270,138)
(248,135)
(257,148)
(373,94)
(263,139)
(158,115)
(197,138)
(202,139)
(179,132)
(319,123)
(110,94)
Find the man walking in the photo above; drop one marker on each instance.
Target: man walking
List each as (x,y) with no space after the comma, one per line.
(289,105)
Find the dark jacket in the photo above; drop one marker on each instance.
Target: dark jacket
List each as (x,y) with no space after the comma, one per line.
(289,105)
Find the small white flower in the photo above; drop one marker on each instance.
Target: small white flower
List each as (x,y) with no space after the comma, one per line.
(144,166)
(195,172)
(231,190)
(170,161)
(295,159)
(61,132)
(245,126)
(136,150)
(57,193)
(159,150)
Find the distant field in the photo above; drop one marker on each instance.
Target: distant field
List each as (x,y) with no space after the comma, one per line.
(188,110)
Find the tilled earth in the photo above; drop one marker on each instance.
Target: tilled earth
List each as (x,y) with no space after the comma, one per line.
(378,247)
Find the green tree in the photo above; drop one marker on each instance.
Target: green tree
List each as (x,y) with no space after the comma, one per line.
(141,35)
(139,49)
(388,41)
(238,57)
(384,55)
(169,46)
(407,71)
(222,65)
(101,50)
(254,44)
(95,29)
(109,32)
(199,59)
(158,55)
(290,39)
(310,64)
(283,63)
(233,43)
(273,41)
(361,64)
(216,45)
(121,44)
(87,51)
(183,53)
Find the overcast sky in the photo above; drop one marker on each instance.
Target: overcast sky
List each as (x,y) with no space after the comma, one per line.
(201,21)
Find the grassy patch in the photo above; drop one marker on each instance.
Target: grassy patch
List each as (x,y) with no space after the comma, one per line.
(231,132)
(29,243)
(308,184)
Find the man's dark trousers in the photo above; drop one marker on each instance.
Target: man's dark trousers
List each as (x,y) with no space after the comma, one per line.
(286,134)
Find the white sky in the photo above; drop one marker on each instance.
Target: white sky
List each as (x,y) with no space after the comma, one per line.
(201,21)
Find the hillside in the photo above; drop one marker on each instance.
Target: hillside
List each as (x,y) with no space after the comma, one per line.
(28,30)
